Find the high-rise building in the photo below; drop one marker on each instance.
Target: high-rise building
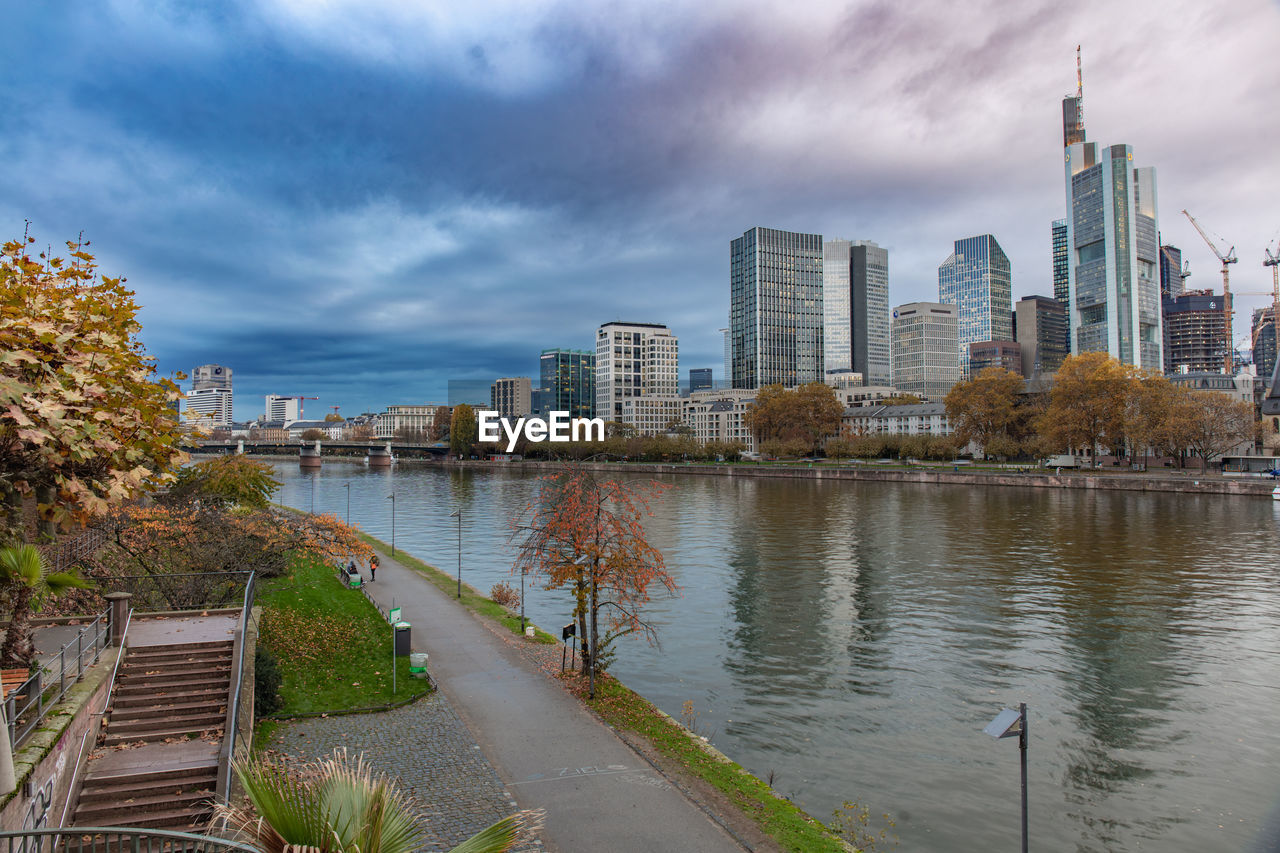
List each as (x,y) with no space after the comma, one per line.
(727,376)
(977,279)
(984,354)
(210,401)
(1171,283)
(700,379)
(210,376)
(281,409)
(634,360)
(1113,251)
(1195,337)
(775,308)
(1264,342)
(926,349)
(855,295)
(1040,327)
(511,396)
(1061,287)
(566,379)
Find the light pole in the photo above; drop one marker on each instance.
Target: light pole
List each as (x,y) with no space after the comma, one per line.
(457,513)
(392,497)
(347,486)
(522,601)
(1007,724)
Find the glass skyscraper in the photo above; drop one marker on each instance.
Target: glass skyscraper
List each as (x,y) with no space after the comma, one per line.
(775,308)
(855,293)
(566,380)
(977,279)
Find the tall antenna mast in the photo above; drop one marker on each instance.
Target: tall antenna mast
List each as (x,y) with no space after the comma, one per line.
(1079,91)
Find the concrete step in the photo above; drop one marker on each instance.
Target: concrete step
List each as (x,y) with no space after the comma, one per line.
(107,790)
(151,697)
(180,647)
(214,704)
(179,820)
(163,731)
(127,809)
(194,722)
(172,674)
(164,654)
(179,771)
(155,685)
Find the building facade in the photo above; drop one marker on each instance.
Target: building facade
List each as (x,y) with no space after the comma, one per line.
(855,294)
(210,376)
(1171,278)
(1040,328)
(634,360)
(1264,341)
(1195,339)
(567,380)
(413,421)
(926,349)
(700,379)
(280,408)
(984,354)
(511,397)
(208,407)
(776,308)
(977,279)
(720,416)
(1061,287)
(917,419)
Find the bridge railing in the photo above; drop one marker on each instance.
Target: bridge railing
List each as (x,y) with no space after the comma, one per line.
(115,840)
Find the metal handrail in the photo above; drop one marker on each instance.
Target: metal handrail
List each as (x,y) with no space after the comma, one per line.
(107,839)
(232,728)
(111,685)
(33,688)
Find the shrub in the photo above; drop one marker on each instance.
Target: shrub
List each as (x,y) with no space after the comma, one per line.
(266,683)
(504,594)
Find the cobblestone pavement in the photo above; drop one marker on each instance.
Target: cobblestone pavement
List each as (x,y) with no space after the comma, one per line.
(427,749)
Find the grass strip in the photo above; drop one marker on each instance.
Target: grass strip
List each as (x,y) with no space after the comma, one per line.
(471,598)
(333,646)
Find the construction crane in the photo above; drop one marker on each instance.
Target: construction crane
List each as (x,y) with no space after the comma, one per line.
(1229,366)
(300,400)
(335,409)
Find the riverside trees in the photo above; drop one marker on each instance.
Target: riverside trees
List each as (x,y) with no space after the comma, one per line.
(790,423)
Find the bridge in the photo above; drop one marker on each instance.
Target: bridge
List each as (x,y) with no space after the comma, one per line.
(348,449)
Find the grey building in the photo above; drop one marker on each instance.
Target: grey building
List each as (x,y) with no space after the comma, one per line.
(1061,287)
(976,278)
(700,379)
(1040,328)
(775,308)
(926,349)
(1171,278)
(855,294)
(1195,339)
(1264,341)
(634,360)
(512,396)
(566,379)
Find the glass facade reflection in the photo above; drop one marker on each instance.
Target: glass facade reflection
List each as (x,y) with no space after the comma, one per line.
(977,279)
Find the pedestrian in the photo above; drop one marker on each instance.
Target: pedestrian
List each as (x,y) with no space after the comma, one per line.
(373,568)
(353,574)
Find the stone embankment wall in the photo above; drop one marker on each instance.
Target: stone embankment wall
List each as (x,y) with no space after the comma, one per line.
(1194,483)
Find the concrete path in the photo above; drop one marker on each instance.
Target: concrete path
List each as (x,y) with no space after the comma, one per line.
(598,793)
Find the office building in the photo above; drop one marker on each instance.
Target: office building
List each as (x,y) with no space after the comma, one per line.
(1040,328)
(927,419)
(926,349)
(775,308)
(977,280)
(1195,337)
(855,294)
(470,392)
(1113,251)
(511,397)
(1061,287)
(634,360)
(1264,342)
(700,379)
(409,422)
(208,376)
(727,375)
(566,378)
(720,416)
(208,407)
(984,354)
(1171,277)
(280,408)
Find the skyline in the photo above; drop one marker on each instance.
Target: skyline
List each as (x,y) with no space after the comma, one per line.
(361,202)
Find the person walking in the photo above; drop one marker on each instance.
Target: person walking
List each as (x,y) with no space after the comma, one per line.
(373,568)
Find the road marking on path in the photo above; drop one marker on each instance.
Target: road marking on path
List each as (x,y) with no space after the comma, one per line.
(639,776)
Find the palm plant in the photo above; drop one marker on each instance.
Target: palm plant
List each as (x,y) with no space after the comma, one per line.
(339,805)
(27,582)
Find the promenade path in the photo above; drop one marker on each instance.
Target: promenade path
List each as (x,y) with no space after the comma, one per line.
(598,793)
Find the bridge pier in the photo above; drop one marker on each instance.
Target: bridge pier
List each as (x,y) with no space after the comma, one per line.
(379,457)
(309,457)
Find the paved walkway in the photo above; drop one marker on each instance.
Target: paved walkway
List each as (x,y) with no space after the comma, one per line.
(599,795)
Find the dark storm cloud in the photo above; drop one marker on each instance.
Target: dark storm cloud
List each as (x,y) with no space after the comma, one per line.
(363,200)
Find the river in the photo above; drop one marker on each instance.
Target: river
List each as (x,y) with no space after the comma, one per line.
(850,641)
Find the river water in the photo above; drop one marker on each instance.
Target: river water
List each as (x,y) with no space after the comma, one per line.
(850,640)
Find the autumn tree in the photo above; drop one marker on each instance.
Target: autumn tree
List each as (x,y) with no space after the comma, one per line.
(440,422)
(464,430)
(1152,414)
(808,414)
(314,435)
(985,410)
(1089,401)
(84,421)
(587,534)
(1217,424)
(229,481)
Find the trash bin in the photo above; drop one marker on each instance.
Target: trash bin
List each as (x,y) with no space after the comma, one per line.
(418,664)
(402,639)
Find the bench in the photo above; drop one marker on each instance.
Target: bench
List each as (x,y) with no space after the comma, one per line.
(13,679)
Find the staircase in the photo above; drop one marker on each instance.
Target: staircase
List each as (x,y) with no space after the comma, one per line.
(157,762)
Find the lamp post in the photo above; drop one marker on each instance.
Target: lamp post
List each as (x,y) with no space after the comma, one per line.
(1007,724)
(392,497)
(457,513)
(347,486)
(522,601)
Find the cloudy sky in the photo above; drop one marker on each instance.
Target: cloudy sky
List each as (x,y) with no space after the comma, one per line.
(360,200)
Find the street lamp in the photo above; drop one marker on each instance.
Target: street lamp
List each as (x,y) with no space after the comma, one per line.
(392,497)
(457,513)
(1007,724)
(347,486)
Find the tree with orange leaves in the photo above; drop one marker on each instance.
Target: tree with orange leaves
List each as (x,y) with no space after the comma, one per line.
(587,534)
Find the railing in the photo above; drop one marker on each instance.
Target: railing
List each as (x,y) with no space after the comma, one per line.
(115,840)
(67,553)
(22,718)
(232,729)
(188,591)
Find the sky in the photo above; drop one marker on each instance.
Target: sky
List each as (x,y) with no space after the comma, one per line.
(358,200)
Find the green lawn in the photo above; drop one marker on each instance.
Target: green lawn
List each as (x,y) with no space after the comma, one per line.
(333,646)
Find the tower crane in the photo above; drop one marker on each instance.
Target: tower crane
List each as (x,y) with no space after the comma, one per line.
(1272,259)
(1227,259)
(301,403)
